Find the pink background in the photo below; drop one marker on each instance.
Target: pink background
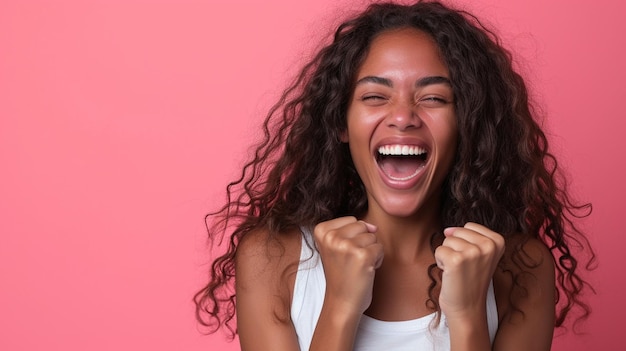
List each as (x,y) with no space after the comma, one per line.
(122,121)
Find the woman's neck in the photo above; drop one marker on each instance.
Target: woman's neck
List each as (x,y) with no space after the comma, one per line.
(405,238)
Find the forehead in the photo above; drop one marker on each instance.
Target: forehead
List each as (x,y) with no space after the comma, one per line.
(403,49)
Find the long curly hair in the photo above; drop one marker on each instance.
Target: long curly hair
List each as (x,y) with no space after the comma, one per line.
(503,177)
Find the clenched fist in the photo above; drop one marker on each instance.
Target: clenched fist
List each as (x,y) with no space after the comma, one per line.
(350,253)
(468,257)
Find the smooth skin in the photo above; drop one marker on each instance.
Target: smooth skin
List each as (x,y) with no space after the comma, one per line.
(377,264)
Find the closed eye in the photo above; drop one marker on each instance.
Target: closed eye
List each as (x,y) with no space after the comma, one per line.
(372,97)
(374,100)
(433,101)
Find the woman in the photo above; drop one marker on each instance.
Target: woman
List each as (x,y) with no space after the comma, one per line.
(403,198)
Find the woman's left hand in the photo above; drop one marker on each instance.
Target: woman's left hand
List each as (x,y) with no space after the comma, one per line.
(468,258)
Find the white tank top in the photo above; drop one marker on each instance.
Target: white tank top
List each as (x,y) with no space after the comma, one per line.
(372,334)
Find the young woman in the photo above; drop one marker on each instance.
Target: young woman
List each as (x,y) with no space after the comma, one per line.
(403,198)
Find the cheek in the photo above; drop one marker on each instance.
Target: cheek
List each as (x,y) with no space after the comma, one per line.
(446,135)
(358,136)
(360,127)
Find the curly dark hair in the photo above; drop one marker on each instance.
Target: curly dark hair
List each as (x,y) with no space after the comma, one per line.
(503,177)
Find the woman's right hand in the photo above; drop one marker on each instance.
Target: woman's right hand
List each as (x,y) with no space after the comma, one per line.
(350,254)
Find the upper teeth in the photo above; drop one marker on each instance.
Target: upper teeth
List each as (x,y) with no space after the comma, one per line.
(397,150)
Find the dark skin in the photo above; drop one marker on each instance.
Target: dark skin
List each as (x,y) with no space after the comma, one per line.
(265,266)
(378,264)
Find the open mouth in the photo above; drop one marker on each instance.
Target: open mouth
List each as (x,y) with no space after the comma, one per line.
(401,162)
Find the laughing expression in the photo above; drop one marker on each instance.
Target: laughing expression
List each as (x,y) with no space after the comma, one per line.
(401,124)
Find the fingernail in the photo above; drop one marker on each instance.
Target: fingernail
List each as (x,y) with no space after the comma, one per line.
(370,227)
(448,231)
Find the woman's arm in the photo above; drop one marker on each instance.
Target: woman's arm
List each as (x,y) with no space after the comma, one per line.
(468,258)
(350,253)
(265,271)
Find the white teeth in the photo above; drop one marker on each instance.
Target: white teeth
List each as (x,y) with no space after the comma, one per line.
(400,150)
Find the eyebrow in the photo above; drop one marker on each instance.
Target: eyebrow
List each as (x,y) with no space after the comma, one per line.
(432,80)
(422,82)
(375,80)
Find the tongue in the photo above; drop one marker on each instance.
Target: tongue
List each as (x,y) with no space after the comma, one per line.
(400,167)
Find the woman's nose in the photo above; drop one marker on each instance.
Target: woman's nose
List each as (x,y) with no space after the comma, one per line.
(404,116)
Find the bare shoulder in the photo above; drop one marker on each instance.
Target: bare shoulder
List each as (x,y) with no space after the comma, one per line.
(527,259)
(265,267)
(525,292)
(262,255)
(525,274)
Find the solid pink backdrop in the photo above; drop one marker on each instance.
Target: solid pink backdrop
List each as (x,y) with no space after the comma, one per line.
(121,122)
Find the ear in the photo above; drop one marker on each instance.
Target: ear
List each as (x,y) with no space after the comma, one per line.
(343,136)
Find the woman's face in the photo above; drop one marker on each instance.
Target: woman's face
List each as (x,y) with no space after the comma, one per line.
(401,124)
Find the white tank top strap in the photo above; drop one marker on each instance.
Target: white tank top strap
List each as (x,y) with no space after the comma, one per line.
(309,290)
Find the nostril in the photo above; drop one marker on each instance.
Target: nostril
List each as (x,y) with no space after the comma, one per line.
(404,118)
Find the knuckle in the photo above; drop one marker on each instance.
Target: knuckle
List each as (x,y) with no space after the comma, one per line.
(333,238)
(456,259)
(343,245)
(500,242)
(319,230)
(327,239)
(472,253)
(360,255)
(490,246)
(332,234)
(439,251)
